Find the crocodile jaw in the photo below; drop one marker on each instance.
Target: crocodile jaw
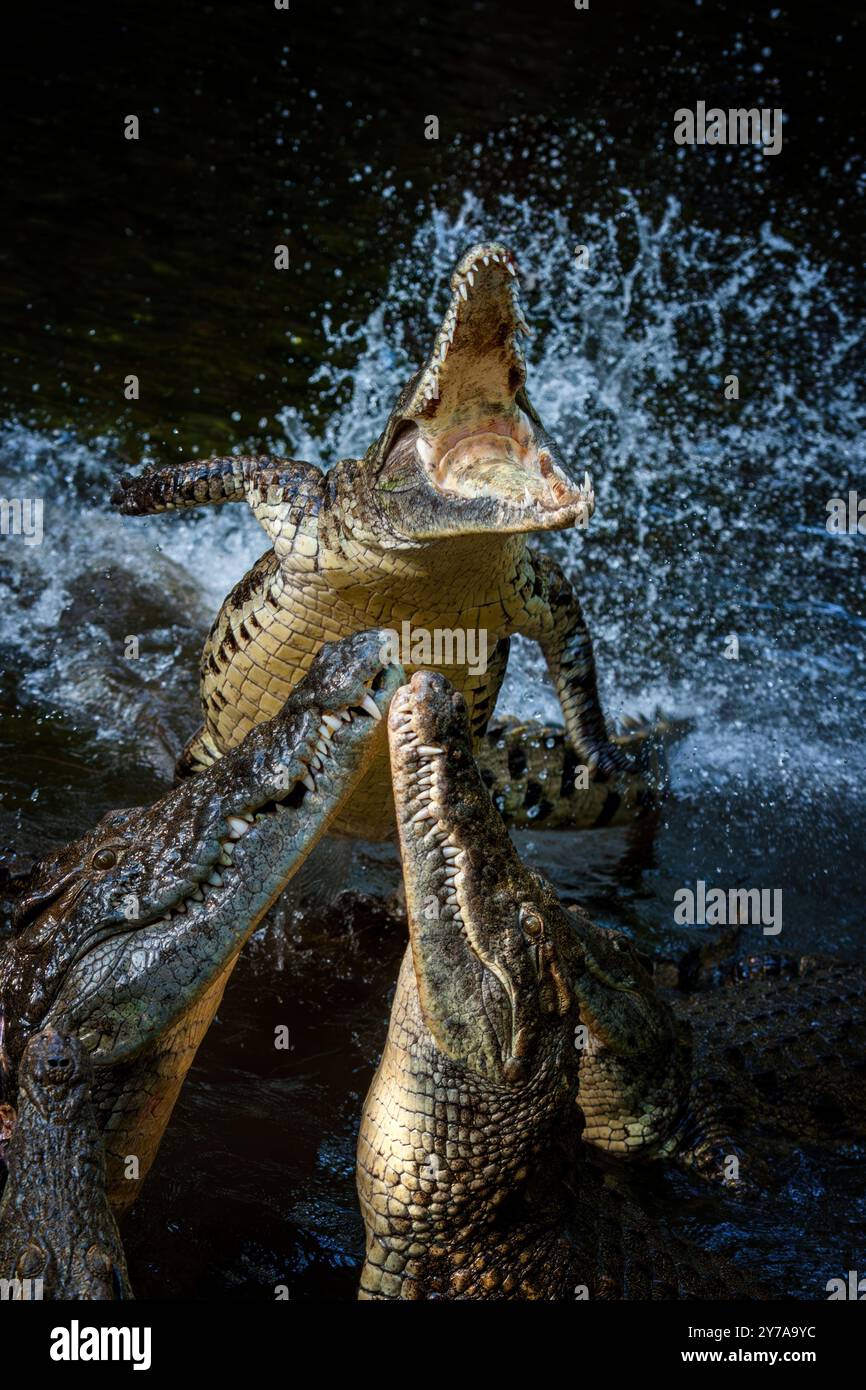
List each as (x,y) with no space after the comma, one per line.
(482,938)
(203,865)
(477,443)
(535,970)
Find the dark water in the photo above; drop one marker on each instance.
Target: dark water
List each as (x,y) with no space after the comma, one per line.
(156,257)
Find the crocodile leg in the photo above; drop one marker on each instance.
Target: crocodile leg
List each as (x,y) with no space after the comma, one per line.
(282,493)
(552,615)
(535,778)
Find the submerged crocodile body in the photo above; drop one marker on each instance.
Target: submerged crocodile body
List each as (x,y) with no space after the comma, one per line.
(57,1229)
(536,779)
(126,938)
(778,1048)
(528,1049)
(428,529)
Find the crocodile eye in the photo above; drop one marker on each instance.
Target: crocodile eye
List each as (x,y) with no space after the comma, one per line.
(104,859)
(531,920)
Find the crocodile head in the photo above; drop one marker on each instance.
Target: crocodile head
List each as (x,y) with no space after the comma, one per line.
(116,935)
(510,983)
(464,451)
(55,1077)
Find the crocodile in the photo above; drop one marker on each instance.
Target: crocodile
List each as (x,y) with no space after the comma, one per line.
(778,1043)
(57,1229)
(536,780)
(126,938)
(529,1054)
(427,532)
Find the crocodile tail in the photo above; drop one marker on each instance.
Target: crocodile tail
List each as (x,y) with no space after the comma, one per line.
(536,778)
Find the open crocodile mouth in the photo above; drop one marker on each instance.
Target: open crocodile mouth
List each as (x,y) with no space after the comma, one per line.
(474,438)
(445,847)
(315,770)
(421,817)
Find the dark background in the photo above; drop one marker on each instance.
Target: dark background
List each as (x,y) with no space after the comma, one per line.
(261,126)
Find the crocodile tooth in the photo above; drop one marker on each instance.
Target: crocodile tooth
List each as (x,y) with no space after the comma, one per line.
(451,332)
(238,827)
(430,748)
(511,269)
(216,879)
(464,293)
(322,747)
(332,722)
(443,350)
(426,813)
(587,481)
(450,851)
(224,856)
(486,260)
(369,704)
(308,782)
(345,716)
(316,762)
(470,276)
(197,895)
(181,907)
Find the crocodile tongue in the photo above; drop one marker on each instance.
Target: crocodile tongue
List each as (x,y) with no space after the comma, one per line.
(495,465)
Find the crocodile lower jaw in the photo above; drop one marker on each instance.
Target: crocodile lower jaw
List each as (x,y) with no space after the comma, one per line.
(242,822)
(501,461)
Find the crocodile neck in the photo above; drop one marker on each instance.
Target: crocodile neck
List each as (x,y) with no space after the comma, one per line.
(355,549)
(446,1164)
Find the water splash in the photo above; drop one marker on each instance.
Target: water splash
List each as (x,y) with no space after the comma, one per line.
(711,511)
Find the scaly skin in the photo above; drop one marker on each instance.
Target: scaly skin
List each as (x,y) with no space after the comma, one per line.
(429,527)
(535,778)
(126,939)
(778,1059)
(512,1024)
(520,1032)
(56,1225)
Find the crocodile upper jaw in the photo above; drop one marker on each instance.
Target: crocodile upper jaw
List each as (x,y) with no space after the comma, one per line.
(478,449)
(201,866)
